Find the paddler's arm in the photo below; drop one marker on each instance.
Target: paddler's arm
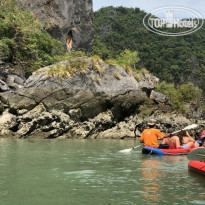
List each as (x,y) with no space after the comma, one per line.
(142,138)
(168,135)
(160,135)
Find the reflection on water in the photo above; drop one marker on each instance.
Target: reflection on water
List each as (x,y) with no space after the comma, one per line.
(64,172)
(150,175)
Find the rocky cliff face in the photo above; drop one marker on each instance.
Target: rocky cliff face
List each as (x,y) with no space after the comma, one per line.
(59,16)
(98,101)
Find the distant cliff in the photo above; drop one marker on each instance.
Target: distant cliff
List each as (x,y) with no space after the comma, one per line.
(172,59)
(60,16)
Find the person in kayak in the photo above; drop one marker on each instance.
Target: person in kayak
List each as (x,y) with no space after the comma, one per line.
(151,135)
(202,139)
(171,139)
(186,141)
(182,140)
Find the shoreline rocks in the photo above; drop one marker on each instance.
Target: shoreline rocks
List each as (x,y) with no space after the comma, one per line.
(46,106)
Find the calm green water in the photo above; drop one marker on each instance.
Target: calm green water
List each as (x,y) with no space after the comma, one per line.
(70,172)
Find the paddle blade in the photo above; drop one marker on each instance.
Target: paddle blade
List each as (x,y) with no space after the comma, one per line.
(126,150)
(197,154)
(190,127)
(193,126)
(129,150)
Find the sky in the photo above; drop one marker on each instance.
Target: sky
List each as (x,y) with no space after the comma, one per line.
(149,5)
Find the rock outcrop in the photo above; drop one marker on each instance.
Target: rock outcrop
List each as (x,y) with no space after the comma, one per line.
(96,100)
(59,16)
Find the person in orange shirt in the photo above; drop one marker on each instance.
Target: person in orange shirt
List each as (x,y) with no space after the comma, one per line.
(151,135)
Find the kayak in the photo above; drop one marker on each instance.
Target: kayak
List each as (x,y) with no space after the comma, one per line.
(156,151)
(197,166)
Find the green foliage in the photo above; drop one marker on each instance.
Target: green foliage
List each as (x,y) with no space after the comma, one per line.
(128,58)
(77,53)
(6,45)
(23,40)
(99,48)
(74,62)
(173,59)
(181,95)
(189,93)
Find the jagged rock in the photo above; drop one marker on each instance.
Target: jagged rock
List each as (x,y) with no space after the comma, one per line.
(75,113)
(103,118)
(62,117)
(83,92)
(79,132)
(148,82)
(14,82)
(17,101)
(3,86)
(27,126)
(7,120)
(12,77)
(158,97)
(120,131)
(91,128)
(38,119)
(34,113)
(21,112)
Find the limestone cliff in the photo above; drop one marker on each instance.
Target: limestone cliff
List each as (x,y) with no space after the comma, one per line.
(59,16)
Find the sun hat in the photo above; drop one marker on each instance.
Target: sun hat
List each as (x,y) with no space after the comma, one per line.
(170,130)
(151,122)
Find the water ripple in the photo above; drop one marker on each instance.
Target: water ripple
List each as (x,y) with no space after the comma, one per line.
(82,172)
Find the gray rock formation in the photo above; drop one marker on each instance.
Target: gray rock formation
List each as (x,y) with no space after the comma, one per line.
(158,97)
(52,104)
(96,101)
(59,16)
(11,77)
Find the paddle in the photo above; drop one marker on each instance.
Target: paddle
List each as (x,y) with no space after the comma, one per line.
(197,154)
(190,127)
(129,150)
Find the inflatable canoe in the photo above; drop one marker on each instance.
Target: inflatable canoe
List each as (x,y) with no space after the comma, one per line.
(197,166)
(197,163)
(151,150)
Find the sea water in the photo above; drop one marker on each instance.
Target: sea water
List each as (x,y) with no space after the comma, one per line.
(93,172)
